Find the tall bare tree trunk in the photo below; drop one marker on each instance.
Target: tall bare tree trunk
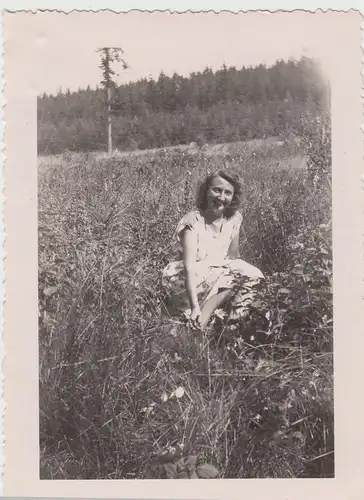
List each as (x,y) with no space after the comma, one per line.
(109,122)
(108,56)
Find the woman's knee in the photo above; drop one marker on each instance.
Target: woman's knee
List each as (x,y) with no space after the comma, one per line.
(246,268)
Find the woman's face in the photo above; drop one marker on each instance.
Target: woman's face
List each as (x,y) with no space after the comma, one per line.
(219,195)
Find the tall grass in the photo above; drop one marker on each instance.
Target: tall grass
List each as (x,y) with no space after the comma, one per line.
(254,401)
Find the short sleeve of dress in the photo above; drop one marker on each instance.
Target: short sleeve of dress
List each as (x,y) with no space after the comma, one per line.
(238,219)
(188,221)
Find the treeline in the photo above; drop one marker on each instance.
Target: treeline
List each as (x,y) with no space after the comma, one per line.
(222,106)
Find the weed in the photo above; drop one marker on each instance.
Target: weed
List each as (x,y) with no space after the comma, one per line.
(124,389)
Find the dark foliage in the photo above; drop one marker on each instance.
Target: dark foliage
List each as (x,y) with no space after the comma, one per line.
(207,107)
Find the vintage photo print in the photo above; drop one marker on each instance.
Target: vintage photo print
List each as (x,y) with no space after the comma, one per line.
(184,265)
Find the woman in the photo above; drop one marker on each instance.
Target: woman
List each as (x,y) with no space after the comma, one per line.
(205,277)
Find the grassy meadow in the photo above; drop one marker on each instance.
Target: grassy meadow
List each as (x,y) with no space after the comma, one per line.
(128,392)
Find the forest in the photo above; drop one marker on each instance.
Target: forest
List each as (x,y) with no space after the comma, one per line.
(226,105)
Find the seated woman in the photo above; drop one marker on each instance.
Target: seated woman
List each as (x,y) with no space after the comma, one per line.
(204,278)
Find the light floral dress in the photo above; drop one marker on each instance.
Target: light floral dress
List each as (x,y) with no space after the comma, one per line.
(215,271)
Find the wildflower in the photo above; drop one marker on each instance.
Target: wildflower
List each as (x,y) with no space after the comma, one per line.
(219,313)
(164,397)
(148,409)
(173,331)
(178,393)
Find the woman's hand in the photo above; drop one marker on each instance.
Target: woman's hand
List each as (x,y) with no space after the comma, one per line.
(195,317)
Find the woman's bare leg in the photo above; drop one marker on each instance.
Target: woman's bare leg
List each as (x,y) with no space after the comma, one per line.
(213,303)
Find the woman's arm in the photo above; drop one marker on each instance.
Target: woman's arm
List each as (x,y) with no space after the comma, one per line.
(189,260)
(233,252)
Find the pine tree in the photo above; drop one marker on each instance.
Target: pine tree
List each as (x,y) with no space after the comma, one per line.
(110,55)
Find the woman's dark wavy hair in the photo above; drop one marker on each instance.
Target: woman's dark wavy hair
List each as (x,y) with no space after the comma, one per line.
(233,179)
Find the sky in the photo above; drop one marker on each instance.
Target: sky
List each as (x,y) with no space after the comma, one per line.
(65,45)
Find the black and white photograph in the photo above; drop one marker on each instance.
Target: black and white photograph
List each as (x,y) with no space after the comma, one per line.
(185,253)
